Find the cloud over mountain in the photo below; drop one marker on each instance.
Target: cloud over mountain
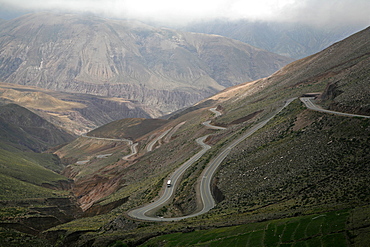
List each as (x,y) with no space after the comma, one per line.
(181,12)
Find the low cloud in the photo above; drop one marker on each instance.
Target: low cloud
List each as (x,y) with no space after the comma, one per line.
(317,12)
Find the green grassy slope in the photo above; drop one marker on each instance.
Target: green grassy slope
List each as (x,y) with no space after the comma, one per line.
(24,171)
(23,177)
(333,228)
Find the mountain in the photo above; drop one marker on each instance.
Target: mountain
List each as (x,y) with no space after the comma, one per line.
(128,128)
(154,66)
(75,113)
(300,178)
(287,39)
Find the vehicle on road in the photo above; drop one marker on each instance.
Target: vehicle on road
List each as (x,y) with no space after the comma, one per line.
(169,183)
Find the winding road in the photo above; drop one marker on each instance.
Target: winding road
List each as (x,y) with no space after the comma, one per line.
(208,202)
(207,174)
(140,213)
(133,146)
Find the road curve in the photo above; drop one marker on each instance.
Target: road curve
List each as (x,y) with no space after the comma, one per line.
(209,171)
(151,144)
(208,123)
(206,177)
(133,146)
(310,105)
(173,131)
(217,113)
(140,213)
(133,151)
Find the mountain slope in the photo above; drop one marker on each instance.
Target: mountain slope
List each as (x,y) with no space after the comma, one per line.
(25,130)
(344,63)
(300,163)
(76,113)
(161,67)
(129,128)
(33,195)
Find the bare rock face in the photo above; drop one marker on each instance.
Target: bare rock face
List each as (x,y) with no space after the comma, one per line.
(162,67)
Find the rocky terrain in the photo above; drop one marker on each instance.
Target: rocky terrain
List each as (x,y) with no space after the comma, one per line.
(154,66)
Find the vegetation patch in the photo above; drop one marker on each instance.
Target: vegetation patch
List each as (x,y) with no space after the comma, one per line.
(328,229)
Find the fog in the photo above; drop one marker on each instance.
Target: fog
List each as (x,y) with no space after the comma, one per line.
(315,12)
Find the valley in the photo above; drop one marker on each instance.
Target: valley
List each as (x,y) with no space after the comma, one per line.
(276,160)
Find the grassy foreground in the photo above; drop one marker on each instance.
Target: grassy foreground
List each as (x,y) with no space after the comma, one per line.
(327,229)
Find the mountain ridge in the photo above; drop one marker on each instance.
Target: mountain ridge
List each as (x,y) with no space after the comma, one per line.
(22,128)
(168,68)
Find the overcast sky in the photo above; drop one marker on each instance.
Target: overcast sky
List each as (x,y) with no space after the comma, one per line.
(320,12)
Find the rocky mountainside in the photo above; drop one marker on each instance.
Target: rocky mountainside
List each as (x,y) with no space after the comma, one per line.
(155,66)
(302,163)
(288,39)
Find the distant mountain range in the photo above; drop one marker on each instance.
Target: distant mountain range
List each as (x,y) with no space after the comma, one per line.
(288,39)
(154,66)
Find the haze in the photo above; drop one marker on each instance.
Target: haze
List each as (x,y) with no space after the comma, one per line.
(317,12)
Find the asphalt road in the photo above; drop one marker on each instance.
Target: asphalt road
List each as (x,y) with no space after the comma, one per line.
(310,105)
(210,126)
(217,113)
(208,202)
(151,144)
(140,213)
(206,177)
(133,151)
(209,171)
(132,145)
(208,123)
